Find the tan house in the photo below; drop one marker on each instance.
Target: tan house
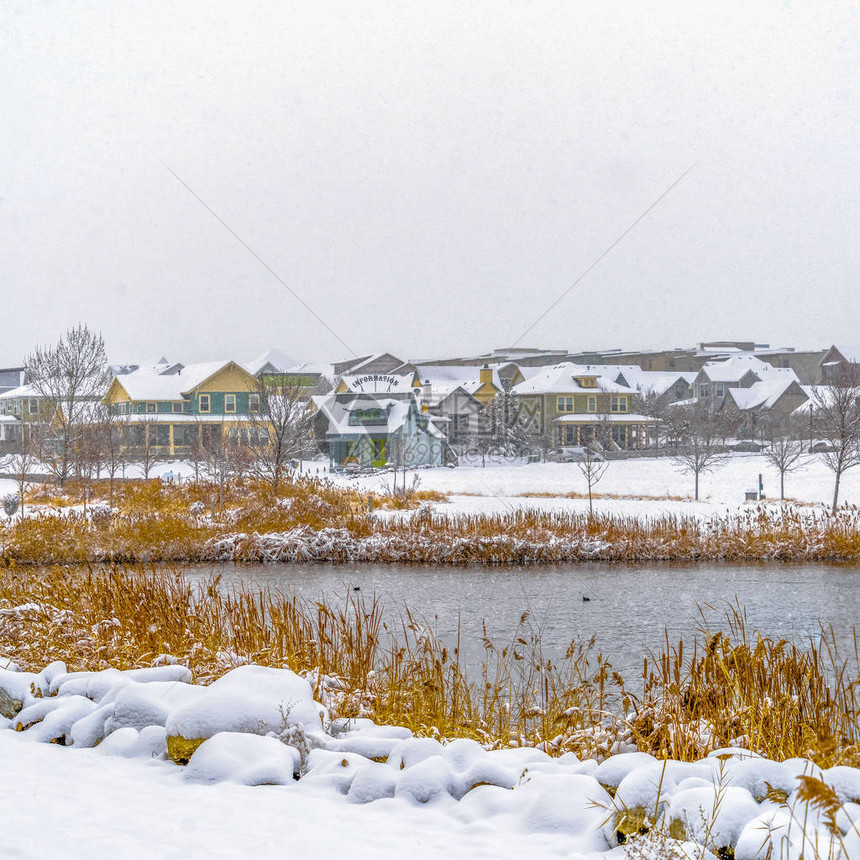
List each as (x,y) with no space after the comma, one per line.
(575,404)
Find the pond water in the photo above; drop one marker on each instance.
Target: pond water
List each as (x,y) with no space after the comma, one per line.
(627,611)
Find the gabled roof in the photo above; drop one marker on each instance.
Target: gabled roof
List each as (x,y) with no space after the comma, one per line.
(356,366)
(377,383)
(338,414)
(271,361)
(764,394)
(176,386)
(652,381)
(20,391)
(561,379)
(738,366)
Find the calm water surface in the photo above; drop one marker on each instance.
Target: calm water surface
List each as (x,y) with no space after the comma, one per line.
(628,609)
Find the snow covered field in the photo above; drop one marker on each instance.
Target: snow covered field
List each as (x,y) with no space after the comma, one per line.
(499,487)
(645,486)
(271,777)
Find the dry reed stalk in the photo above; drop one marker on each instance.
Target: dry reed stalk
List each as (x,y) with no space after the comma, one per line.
(730,688)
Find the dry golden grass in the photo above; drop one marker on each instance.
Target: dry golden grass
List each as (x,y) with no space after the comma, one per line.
(734,688)
(312,519)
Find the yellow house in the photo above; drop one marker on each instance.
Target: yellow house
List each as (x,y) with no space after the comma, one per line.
(171,412)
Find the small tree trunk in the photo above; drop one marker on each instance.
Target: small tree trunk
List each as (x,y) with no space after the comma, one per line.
(782,486)
(697,486)
(836,493)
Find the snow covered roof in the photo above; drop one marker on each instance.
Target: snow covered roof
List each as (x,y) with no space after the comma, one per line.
(762,394)
(818,395)
(735,368)
(174,386)
(561,379)
(309,367)
(395,413)
(272,360)
(653,381)
(20,391)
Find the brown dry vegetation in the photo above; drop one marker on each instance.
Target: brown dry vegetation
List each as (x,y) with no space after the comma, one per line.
(313,520)
(725,688)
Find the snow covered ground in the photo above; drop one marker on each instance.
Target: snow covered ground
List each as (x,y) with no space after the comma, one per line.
(644,486)
(499,486)
(272,777)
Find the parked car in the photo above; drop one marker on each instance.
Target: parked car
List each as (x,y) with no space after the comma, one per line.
(820,447)
(748,446)
(578,454)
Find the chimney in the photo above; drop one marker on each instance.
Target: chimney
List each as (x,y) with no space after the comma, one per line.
(426,391)
(486,375)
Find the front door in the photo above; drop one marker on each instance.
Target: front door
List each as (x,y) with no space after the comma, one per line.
(380,453)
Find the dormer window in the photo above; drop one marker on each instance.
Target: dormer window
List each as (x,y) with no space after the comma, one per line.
(587,381)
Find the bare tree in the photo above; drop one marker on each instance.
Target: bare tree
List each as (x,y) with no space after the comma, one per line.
(593,468)
(144,450)
(68,375)
(657,407)
(279,428)
(786,449)
(224,458)
(700,453)
(836,420)
(21,465)
(110,445)
(197,451)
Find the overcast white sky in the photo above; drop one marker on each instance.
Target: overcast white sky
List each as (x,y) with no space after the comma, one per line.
(428,177)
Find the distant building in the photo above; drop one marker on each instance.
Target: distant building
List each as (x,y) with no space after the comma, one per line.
(572,404)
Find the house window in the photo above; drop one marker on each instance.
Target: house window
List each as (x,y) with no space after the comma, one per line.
(34,406)
(151,407)
(253,402)
(618,403)
(719,389)
(592,403)
(564,404)
(704,390)
(204,402)
(229,402)
(178,406)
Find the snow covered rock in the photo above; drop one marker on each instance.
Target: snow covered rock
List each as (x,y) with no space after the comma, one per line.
(248,699)
(372,783)
(150,704)
(364,737)
(574,804)
(711,816)
(243,758)
(51,720)
(17,688)
(612,771)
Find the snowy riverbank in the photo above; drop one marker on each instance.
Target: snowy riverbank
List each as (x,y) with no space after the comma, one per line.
(269,775)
